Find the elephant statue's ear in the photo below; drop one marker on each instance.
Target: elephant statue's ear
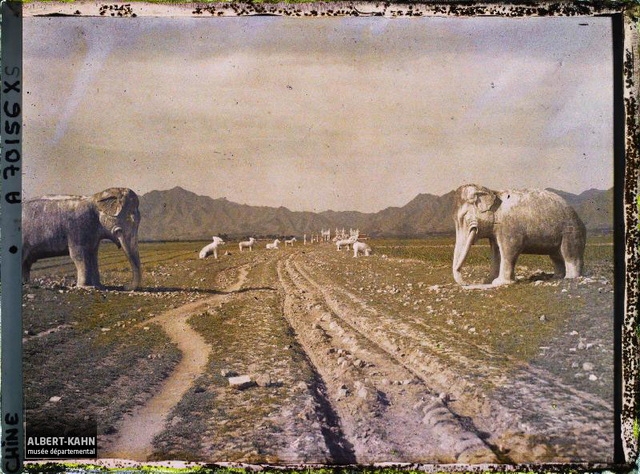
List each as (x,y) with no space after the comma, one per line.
(485,200)
(110,202)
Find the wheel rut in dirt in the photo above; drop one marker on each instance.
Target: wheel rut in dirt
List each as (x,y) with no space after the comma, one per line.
(509,411)
(339,447)
(385,412)
(137,430)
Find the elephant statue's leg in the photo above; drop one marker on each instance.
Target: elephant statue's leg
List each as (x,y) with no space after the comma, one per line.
(81,271)
(508,257)
(559,265)
(93,273)
(495,261)
(86,262)
(574,268)
(572,250)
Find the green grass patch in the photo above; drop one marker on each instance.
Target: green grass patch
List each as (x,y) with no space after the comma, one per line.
(94,378)
(438,251)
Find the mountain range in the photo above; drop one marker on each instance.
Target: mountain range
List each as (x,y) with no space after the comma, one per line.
(178,214)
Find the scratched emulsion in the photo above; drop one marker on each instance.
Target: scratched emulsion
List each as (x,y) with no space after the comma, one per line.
(320,9)
(629,333)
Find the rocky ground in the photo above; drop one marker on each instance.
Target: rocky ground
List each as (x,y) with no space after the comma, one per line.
(310,355)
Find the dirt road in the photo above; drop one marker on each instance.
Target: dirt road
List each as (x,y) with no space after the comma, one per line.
(382,405)
(365,360)
(413,394)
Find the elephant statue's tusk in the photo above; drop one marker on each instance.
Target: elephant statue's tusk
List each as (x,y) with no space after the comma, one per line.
(461,252)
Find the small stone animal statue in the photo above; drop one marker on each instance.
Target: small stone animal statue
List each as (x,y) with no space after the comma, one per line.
(273,245)
(361,247)
(517,222)
(346,242)
(212,248)
(74,225)
(247,244)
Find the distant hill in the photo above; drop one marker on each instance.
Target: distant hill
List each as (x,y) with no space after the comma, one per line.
(178,214)
(595,208)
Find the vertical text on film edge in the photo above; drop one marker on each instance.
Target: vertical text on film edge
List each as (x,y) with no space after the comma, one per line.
(11,129)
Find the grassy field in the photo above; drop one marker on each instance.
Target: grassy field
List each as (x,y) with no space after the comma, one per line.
(93,354)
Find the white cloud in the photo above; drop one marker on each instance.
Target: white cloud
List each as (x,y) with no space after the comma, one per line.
(322,114)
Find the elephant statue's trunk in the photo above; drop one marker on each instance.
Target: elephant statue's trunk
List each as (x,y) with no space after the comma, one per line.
(463,244)
(130,248)
(137,272)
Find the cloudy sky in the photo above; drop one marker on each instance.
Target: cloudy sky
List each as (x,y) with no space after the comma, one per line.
(316,114)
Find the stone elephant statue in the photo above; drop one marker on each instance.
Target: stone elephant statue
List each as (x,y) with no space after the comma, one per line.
(74,225)
(517,222)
